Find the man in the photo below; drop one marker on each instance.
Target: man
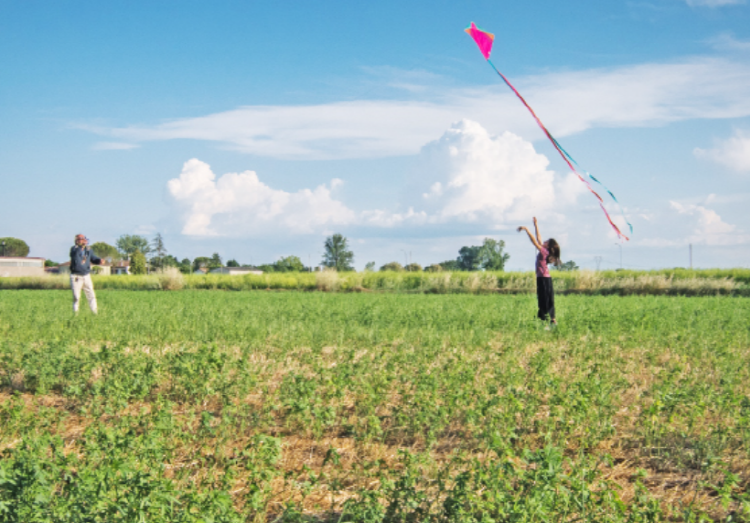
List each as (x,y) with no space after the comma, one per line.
(80,272)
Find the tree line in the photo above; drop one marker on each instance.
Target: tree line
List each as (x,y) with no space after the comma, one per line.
(147,255)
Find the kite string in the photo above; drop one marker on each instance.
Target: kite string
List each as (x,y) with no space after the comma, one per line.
(546,132)
(565,156)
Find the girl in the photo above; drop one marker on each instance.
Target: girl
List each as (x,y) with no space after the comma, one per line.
(549,251)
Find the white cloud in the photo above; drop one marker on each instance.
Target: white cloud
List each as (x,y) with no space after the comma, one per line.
(468,176)
(569,102)
(475,176)
(239,204)
(697,224)
(410,80)
(713,3)
(708,227)
(727,42)
(733,152)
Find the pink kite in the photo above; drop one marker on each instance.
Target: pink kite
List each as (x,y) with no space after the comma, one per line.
(484,40)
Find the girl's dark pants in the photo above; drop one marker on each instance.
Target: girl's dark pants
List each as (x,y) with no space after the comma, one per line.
(545,297)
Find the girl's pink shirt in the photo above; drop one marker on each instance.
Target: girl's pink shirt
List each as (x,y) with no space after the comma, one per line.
(542,270)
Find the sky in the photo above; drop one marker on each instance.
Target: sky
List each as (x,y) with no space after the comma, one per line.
(257,129)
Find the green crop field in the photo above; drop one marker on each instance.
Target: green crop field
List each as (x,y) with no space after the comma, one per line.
(210,406)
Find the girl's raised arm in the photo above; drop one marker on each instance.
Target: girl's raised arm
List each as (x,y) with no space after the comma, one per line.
(538,235)
(537,244)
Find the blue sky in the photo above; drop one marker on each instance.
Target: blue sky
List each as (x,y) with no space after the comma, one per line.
(256,129)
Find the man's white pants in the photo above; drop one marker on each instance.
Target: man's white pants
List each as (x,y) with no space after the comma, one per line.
(78,282)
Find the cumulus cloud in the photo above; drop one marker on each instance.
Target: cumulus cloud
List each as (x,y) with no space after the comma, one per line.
(693,223)
(708,227)
(569,102)
(478,176)
(468,176)
(733,152)
(239,204)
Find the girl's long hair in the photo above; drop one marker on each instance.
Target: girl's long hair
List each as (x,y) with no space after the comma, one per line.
(553,250)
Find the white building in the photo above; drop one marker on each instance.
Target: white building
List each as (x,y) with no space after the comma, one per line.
(236,271)
(19,266)
(119,267)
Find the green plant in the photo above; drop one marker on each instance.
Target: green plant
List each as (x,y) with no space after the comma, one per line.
(137,263)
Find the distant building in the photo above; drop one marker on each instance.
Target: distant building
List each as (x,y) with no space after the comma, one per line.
(236,271)
(120,267)
(19,266)
(103,270)
(106,269)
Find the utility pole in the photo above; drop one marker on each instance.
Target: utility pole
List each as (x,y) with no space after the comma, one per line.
(598,260)
(691,256)
(406,262)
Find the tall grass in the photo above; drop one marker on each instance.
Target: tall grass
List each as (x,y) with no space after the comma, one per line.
(663,282)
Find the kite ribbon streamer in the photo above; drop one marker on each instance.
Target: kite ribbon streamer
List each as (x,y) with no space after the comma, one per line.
(484,40)
(560,148)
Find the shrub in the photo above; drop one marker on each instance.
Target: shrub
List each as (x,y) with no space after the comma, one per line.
(327,280)
(171,279)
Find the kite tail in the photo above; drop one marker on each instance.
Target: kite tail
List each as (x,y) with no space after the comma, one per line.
(622,211)
(569,159)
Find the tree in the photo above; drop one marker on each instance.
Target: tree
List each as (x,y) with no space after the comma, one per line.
(200,262)
(13,247)
(50,263)
(128,244)
(157,245)
(468,258)
(233,263)
(392,266)
(137,263)
(105,250)
(414,267)
(434,268)
(567,266)
(186,266)
(267,267)
(488,256)
(215,261)
(336,255)
(158,250)
(170,261)
(370,266)
(450,265)
(491,255)
(289,264)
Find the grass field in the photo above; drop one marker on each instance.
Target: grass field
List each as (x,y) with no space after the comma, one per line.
(201,406)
